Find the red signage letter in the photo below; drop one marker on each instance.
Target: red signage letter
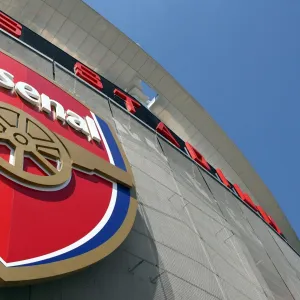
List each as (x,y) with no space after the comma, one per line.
(10,25)
(245,197)
(263,214)
(196,156)
(223,178)
(274,225)
(268,219)
(164,131)
(239,191)
(249,201)
(88,75)
(130,103)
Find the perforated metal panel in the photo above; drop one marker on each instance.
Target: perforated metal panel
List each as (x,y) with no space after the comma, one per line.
(74,86)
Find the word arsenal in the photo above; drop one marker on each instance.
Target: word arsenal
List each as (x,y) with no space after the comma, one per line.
(28,93)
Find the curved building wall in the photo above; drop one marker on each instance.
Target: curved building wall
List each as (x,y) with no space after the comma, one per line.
(81,32)
(192,238)
(228,158)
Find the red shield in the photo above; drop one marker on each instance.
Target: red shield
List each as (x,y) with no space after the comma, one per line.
(64,196)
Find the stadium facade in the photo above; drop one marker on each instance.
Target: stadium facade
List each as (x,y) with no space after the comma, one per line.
(117,196)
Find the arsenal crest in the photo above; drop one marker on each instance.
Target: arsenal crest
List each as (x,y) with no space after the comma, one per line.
(64,180)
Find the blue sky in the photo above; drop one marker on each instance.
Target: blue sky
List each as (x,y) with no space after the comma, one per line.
(241,60)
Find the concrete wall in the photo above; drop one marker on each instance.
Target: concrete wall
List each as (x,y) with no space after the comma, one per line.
(192,238)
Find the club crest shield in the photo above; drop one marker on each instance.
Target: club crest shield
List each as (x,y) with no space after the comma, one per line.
(64,180)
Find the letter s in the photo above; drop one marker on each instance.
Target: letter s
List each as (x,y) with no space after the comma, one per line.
(6,80)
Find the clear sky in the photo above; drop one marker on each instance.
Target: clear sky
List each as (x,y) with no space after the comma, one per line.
(241,60)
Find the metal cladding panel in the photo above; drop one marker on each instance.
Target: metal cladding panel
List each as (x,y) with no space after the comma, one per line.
(192,238)
(76,88)
(155,195)
(188,179)
(214,233)
(241,219)
(26,56)
(270,257)
(251,250)
(288,253)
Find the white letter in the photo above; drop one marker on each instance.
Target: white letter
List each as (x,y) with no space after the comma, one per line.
(93,129)
(77,122)
(28,93)
(6,80)
(47,104)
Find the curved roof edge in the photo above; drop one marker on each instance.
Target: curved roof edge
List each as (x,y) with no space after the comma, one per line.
(104,48)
